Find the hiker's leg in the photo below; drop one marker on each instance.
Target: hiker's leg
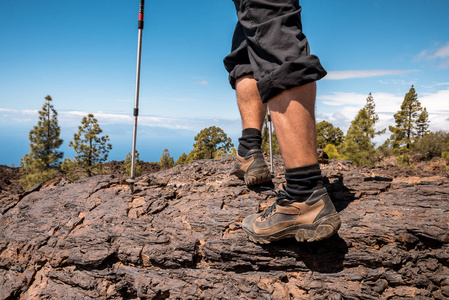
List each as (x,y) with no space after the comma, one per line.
(252,110)
(250,163)
(304,211)
(269,44)
(252,113)
(286,72)
(293,115)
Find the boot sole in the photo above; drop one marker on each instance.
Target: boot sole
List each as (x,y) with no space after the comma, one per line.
(257,176)
(323,229)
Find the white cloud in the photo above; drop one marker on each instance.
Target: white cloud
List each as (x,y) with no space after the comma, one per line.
(423,55)
(339,116)
(438,101)
(437,104)
(386,102)
(16,116)
(202,82)
(397,82)
(340,98)
(439,55)
(351,74)
(442,52)
(436,84)
(73,119)
(22,111)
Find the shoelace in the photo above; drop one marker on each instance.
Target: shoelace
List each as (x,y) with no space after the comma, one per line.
(281,195)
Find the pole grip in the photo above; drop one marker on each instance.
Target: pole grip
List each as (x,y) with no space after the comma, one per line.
(141,9)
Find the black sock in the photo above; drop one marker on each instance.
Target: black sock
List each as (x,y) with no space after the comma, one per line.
(303,181)
(251,139)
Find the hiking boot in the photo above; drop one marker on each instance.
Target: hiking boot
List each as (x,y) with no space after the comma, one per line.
(310,221)
(252,168)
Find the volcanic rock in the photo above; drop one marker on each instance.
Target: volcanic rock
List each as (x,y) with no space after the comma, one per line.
(179,236)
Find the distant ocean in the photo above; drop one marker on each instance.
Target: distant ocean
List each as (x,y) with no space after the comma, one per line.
(14,147)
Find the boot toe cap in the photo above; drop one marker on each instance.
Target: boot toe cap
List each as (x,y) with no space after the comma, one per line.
(248,222)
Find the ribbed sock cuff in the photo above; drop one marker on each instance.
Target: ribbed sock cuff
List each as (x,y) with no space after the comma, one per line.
(303,181)
(251,139)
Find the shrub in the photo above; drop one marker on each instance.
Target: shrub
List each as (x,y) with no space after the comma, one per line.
(35,172)
(71,169)
(128,162)
(404,160)
(445,155)
(331,151)
(433,144)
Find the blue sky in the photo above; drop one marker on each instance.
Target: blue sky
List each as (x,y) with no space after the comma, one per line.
(83,53)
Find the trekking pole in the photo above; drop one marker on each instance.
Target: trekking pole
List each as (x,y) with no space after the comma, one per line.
(270,129)
(132,179)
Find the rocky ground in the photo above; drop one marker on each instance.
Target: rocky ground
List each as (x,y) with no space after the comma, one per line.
(9,181)
(9,176)
(179,237)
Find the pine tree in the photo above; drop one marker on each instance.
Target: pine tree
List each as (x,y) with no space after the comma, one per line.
(128,163)
(423,123)
(91,148)
(39,165)
(328,134)
(166,160)
(44,137)
(208,142)
(357,145)
(370,107)
(181,159)
(405,133)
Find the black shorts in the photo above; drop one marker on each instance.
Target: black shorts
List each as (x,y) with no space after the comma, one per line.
(268,42)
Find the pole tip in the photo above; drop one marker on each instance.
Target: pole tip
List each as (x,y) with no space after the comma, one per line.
(131,182)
